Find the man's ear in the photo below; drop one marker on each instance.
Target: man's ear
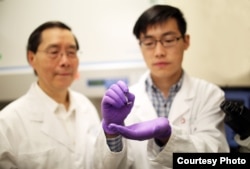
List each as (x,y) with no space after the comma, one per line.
(31,58)
(186,40)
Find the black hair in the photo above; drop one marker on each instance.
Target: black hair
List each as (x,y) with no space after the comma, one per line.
(158,14)
(35,37)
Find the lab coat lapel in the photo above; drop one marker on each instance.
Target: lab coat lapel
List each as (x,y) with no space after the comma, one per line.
(182,102)
(86,129)
(81,130)
(179,107)
(144,107)
(81,124)
(147,111)
(53,128)
(43,112)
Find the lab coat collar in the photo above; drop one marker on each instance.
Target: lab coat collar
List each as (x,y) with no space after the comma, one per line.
(147,111)
(43,111)
(54,129)
(41,103)
(182,100)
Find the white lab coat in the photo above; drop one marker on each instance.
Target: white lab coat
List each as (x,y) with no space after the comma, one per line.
(31,137)
(196,121)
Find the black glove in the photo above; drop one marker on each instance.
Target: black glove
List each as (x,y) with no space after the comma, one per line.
(237,117)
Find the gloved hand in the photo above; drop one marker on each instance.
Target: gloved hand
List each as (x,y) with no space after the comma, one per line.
(158,128)
(116,105)
(237,117)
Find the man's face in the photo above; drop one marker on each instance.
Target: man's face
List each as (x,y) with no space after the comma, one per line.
(164,59)
(55,61)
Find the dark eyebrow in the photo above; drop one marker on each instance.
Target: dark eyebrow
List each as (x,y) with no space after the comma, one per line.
(58,47)
(51,46)
(169,33)
(164,34)
(72,47)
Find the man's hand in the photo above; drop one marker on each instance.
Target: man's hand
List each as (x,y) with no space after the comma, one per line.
(116,105)
(158,128)
(237,117)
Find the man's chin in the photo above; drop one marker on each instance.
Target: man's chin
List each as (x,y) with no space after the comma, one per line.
(64,84)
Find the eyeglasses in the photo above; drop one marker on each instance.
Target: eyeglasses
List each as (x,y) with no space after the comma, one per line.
(166,41)
(54,53)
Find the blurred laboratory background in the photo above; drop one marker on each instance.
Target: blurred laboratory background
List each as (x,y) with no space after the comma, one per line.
(219,50)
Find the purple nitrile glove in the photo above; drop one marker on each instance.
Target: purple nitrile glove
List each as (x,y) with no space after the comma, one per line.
(158,128)
(116,105)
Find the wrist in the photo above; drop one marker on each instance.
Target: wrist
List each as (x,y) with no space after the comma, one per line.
(108,132)
(111,135)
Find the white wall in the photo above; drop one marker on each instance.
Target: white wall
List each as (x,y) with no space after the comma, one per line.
(103,27)
(220,40)
(219,30)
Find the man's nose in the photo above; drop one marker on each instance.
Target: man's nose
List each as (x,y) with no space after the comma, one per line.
(64,59)
(159,48)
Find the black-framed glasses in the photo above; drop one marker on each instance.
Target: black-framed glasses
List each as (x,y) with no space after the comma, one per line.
(166,41)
